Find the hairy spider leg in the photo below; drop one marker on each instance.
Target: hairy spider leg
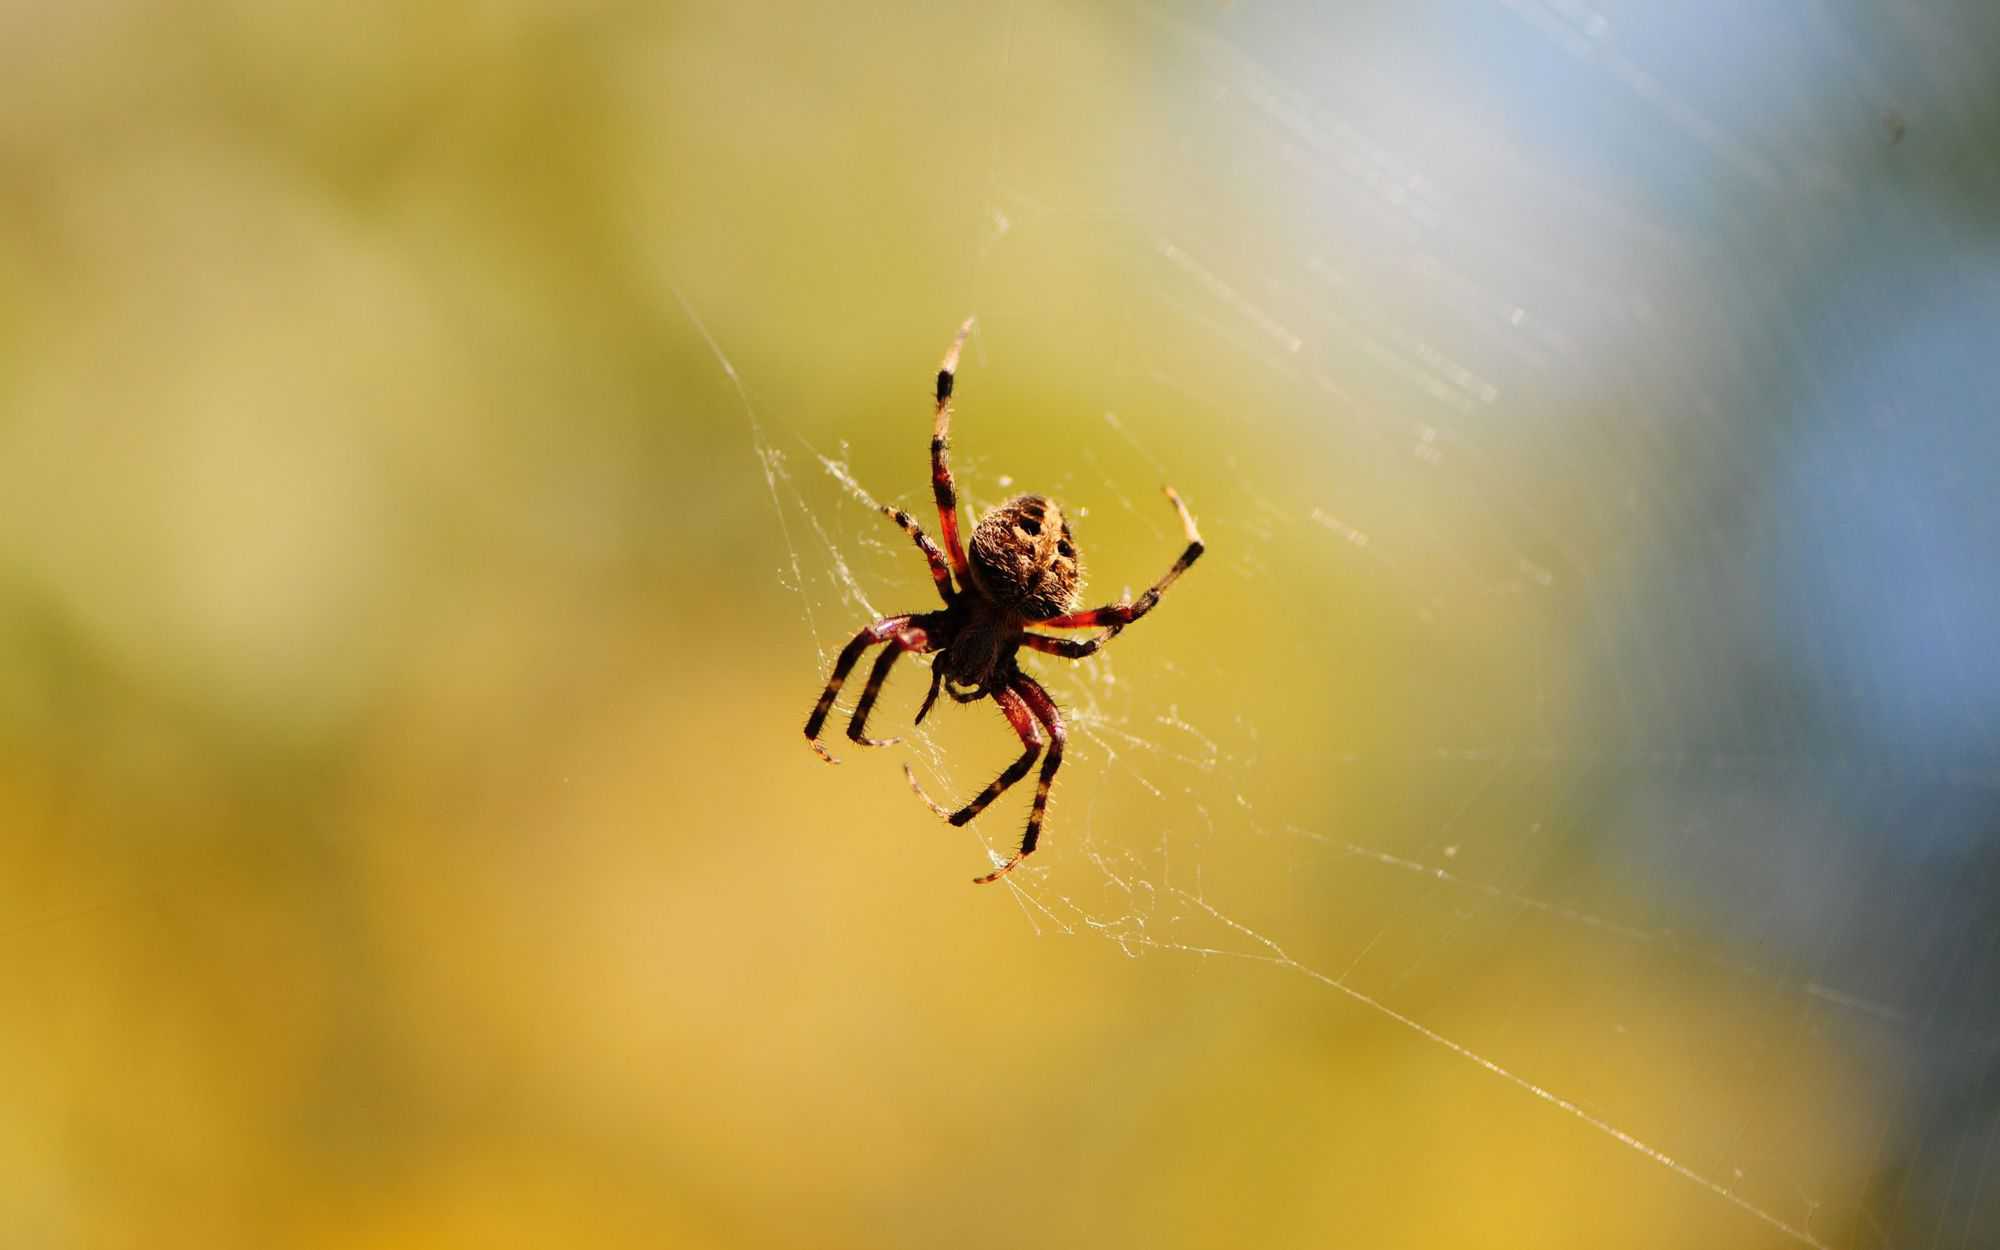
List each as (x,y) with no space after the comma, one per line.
(1050,716)
(937,675)
(941,483)
(1016,711)
(940,571)
(1067,648)
(911,639)
(880,631)
(1118,615)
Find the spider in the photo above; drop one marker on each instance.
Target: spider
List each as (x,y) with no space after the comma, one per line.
(1020,569)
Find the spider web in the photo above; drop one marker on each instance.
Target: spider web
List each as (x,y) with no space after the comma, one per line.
(1638,449)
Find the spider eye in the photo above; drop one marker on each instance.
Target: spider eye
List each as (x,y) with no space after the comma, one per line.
(1065,550)
(1031,525)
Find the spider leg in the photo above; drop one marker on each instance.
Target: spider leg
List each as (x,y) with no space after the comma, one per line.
(880,631)
(1023,721)
(1045,711)
(940,571)
(937,675)
(911,639)
(1118,615)
(1067,648)
(941,483)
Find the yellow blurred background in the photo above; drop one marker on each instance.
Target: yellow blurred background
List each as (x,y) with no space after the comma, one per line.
(1558,811)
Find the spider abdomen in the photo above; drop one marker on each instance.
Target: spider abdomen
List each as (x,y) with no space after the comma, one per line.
(1023,558)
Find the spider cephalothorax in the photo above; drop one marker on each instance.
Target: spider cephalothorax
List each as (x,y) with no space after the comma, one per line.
(1022,570)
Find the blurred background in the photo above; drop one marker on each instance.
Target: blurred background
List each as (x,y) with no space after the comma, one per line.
(1561,809)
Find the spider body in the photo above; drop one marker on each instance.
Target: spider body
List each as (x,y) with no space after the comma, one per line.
(1020,569)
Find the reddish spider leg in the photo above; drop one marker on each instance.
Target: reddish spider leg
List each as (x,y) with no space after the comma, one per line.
(1028,709)
(912,638)
(943,564)
(940,571)
(1117,616)
(889,628)
(1044,708)
(941,483)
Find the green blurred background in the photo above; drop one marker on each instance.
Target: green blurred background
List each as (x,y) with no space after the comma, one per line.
(1559,811)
